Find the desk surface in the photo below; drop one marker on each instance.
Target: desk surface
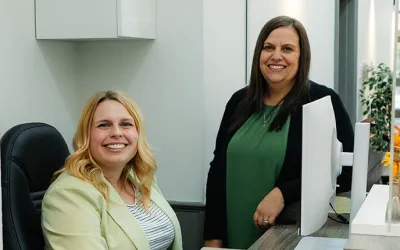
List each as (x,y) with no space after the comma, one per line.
(285,237)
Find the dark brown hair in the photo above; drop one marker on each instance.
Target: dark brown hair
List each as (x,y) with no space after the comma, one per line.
(258,87)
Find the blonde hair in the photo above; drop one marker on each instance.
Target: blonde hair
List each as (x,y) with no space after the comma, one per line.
(81,163)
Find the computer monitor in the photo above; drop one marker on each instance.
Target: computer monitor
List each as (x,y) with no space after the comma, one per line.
(322,161)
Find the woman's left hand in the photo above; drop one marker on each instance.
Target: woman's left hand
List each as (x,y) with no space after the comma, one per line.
(269,208)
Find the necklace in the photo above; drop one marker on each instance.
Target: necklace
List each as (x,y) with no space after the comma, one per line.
(270,116)
(123,188)
(126,195)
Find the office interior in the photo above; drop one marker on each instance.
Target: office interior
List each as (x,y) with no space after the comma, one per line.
(181,71)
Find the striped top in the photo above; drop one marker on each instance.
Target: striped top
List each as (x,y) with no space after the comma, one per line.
(156,225)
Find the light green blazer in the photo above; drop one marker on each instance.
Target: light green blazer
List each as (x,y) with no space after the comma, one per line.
(76,216)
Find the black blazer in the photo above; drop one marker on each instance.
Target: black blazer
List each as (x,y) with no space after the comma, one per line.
(289,179)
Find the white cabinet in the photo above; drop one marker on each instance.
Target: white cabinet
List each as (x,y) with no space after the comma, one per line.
(95,19)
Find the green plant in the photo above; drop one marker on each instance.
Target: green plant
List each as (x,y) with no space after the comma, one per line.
(376,99)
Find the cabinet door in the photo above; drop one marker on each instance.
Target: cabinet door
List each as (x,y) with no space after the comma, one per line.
(136,18)
(75,19)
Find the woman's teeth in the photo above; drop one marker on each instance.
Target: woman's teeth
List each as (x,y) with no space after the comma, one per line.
(116,146)
(276,66)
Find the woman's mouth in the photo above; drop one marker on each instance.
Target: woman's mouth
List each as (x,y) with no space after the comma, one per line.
(115,146)
(276,67)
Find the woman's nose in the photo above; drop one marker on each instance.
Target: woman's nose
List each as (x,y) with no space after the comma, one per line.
(116,131)
(277,55)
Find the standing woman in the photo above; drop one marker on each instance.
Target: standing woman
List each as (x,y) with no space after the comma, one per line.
(256,170)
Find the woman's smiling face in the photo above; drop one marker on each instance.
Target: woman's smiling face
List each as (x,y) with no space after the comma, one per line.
(279,58)
(113,135)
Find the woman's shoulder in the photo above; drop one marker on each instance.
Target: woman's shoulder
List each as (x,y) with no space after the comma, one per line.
(239,94)
(237,97)
(66,184)
(317,91)
(67,179)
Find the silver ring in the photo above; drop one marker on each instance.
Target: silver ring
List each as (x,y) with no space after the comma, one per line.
(265,222)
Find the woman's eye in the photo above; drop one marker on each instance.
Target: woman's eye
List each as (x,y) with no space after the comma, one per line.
(287,49)
(103,125)
(268,47)
(127,124)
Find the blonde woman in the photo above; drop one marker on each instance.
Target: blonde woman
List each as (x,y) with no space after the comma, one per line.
(106,196)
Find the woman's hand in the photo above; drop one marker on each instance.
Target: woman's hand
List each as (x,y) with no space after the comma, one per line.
(269,208)
(213,243)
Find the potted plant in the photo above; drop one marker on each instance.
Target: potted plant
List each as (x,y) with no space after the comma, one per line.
(376,101)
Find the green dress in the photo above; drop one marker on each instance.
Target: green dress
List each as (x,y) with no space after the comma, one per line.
(254,160)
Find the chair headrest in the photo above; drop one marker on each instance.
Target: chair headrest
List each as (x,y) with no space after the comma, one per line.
(38,150)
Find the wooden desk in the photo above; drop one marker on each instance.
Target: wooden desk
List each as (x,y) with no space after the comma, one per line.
(285,237)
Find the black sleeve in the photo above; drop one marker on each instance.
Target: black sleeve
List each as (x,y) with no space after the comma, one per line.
(345,135)
(215,215)
(291,188)
(291,191)
(289,180)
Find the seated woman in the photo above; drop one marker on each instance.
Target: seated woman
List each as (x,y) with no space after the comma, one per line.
(106,196)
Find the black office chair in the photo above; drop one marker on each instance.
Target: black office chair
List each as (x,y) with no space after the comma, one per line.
(30,154)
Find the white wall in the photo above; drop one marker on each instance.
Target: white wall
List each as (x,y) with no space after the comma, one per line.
(165,77)
(318,18)
(182,81)
(37,79)
(375,37)
(224,63)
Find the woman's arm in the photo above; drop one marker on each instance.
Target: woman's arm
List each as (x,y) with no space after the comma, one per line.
(71,219)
